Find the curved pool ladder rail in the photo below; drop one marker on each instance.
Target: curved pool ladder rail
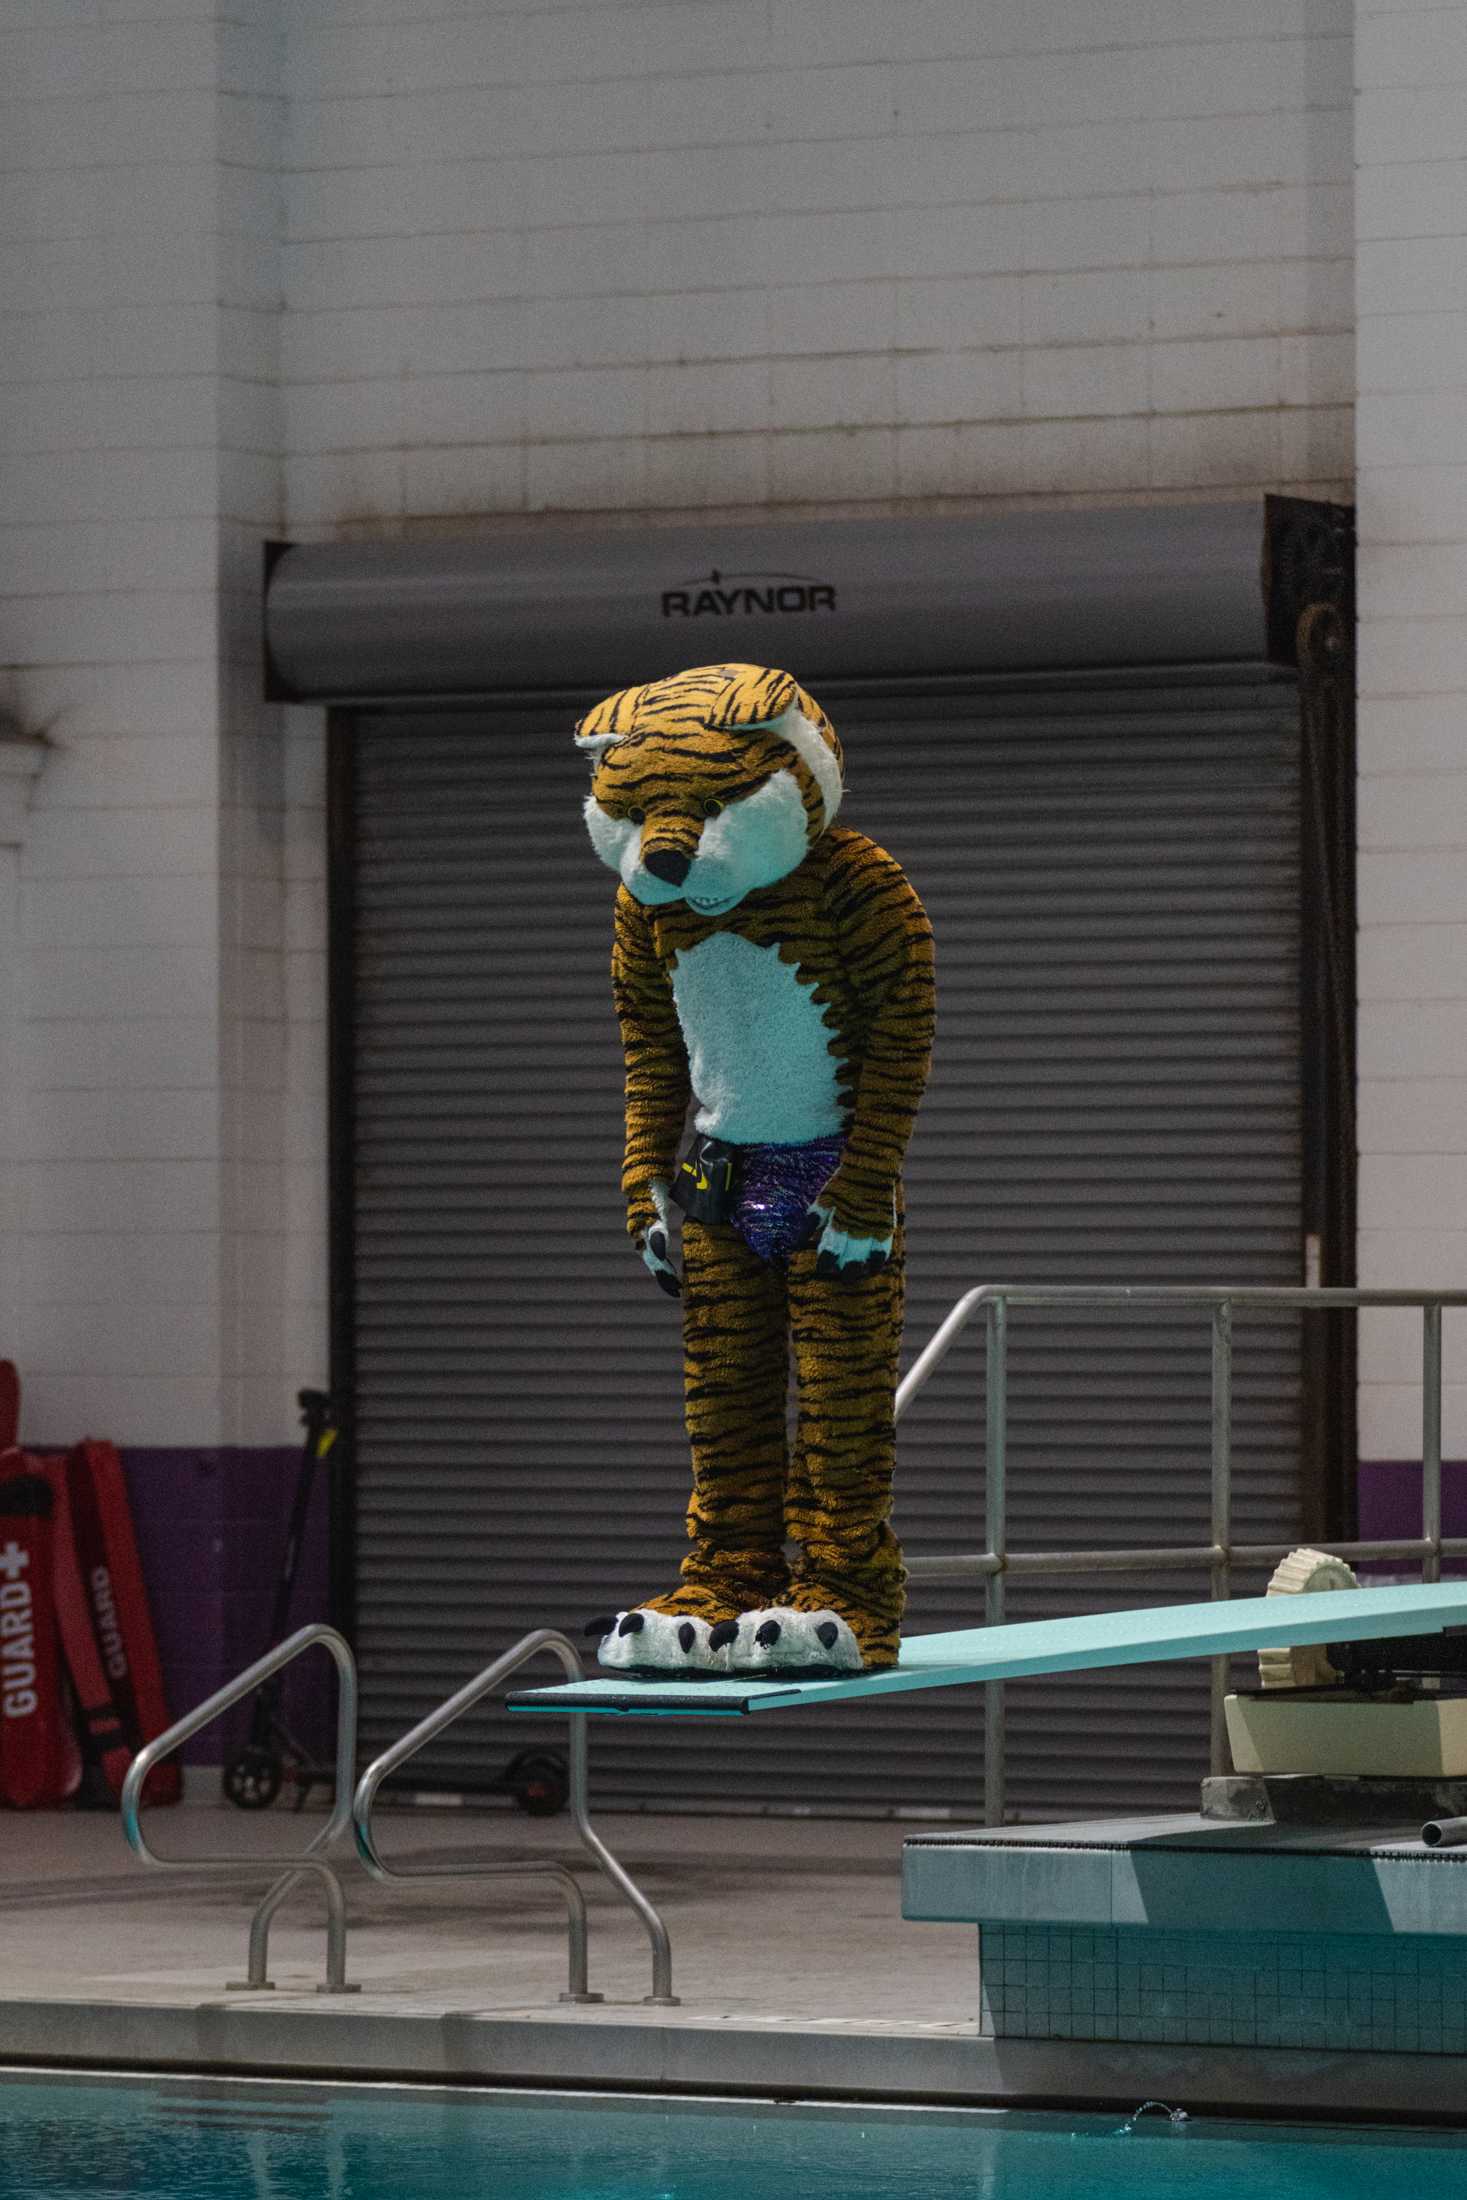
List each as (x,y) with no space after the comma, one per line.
(312,1859)
(544,1639)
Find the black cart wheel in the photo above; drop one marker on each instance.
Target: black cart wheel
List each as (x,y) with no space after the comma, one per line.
(538,1781)
(252,1779)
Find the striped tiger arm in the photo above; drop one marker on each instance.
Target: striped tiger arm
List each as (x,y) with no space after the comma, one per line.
(658,1087)
(885,941)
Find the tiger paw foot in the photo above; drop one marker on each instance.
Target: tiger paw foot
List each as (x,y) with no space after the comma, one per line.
(780,1641)
(656,1645)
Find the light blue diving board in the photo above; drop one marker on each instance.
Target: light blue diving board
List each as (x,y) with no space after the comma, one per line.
(1092,1639)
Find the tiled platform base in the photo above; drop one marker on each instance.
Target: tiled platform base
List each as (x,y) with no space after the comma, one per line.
(1398,1994)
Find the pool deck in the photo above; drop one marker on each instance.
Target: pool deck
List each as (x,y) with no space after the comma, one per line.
(797,1975)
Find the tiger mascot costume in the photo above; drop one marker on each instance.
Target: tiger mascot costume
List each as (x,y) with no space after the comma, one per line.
(776,968)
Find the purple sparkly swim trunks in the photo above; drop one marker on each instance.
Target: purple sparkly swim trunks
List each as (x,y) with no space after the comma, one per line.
(776,1187)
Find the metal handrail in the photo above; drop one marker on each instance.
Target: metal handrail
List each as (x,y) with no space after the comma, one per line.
(309,1861)
(1221,1554)
(428,1729)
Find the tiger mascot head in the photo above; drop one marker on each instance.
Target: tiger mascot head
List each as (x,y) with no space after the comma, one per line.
(709,784)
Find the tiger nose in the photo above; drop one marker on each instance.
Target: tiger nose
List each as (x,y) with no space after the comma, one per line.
(671,865)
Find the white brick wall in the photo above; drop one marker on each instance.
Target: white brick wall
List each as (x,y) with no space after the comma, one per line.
(109,620)
(20,759)
(836,252)
(538,258)
(1411,213)
(142,1286)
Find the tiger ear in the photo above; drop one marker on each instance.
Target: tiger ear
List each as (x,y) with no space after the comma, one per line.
(760,697)
(813,738)
(612,720)
(593,746)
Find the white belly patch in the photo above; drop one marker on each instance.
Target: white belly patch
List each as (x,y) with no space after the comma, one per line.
(758,1045)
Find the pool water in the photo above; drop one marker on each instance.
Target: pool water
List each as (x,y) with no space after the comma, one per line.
(66,2137)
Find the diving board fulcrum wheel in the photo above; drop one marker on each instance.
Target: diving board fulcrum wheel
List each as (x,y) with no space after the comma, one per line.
(1305,1665)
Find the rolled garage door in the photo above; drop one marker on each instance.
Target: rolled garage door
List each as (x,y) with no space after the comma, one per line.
(1111,864)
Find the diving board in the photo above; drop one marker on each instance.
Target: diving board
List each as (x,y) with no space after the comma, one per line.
(972,1654)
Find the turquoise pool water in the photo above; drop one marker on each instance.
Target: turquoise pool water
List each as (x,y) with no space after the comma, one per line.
(78,2138)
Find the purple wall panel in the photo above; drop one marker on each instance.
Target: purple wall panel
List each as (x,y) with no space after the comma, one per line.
(1390,1503)
(211,1536)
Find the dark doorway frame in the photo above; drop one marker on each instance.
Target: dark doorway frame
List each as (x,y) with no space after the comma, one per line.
(1309,597)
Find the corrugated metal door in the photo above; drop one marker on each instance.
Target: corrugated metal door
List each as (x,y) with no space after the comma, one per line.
(1111,865)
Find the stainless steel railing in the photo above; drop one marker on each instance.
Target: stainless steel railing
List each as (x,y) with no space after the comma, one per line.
(544,1639)
(311,1860)
(1221,1554)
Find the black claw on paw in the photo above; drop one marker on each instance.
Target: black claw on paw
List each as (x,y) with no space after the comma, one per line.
(827,1266)
(633,1623)
(768,1634)
(725,1632)
(670,1284)
(687,1634)
(600,1627)
(658,1243)
(829,1633)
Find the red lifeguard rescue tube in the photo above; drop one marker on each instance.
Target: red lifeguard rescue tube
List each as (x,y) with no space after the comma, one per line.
(39,1763)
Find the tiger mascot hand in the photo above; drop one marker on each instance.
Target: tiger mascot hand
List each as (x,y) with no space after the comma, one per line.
(650,1224)
(844,1255)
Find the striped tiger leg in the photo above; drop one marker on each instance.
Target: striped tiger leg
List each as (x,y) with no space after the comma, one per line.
(838,1508)
(736,1373)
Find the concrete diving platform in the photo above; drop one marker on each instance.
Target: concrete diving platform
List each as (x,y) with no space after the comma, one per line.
(1288,1931)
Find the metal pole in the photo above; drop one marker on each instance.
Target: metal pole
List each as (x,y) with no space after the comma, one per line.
(995,1513)
(1431,1439)
(937,1348)
(1222,1555)
(428,1729)
(337,1824)
(1158,1558)
(309,1861)
(256,1979)
(662,1995)
(391,1760)
(1263,1297)
(1222,1512)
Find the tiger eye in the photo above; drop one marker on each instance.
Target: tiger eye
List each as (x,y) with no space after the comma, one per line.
(713,809)
(636,817)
